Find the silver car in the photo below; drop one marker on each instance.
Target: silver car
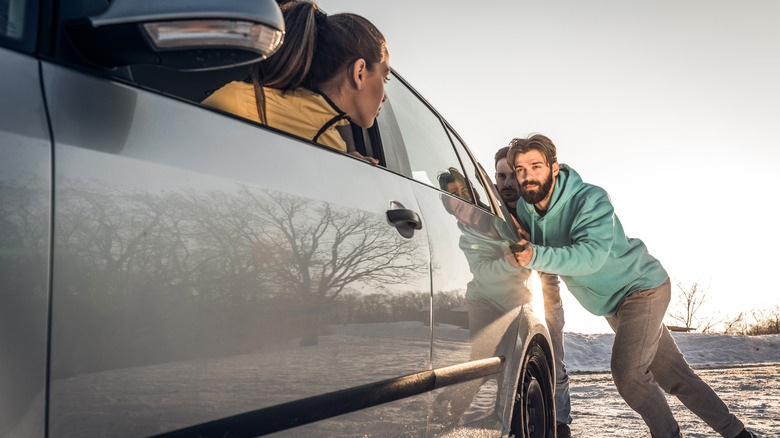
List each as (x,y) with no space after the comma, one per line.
(169,270)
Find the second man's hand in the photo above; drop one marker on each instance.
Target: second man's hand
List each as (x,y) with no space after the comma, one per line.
(521,253)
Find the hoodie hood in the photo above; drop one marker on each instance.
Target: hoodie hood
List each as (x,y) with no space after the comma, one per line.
(567,183)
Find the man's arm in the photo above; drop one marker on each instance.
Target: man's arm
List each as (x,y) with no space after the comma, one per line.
(592,235)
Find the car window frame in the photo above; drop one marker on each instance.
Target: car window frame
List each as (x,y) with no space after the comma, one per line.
(154,79)
(398,147)
(483,181)
(402,148)
(28,40)
(156,88)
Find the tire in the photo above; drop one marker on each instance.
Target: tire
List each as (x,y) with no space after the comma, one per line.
(533,414)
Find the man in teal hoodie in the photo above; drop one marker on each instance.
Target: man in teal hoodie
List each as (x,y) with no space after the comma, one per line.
(576,234)
(509,190)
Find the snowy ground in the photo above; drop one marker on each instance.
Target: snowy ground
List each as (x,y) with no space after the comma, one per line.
(593,352)
(752,392)
(743,370)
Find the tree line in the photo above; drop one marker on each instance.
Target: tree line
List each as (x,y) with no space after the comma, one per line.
(686,314)
(146,276)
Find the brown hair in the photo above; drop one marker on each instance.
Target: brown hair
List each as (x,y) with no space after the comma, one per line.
(536,142)
(316,48)
(501,153)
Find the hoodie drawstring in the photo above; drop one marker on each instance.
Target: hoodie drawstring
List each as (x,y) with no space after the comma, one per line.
(542,228)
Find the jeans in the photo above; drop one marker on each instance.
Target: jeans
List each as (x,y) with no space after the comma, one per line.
(553,314)
(646,362)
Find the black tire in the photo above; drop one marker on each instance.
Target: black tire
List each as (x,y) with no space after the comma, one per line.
(533,414)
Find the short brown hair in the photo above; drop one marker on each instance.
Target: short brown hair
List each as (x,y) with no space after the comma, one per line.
(536,142)
(501,153)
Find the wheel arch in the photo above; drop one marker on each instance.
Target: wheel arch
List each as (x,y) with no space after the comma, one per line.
(531,331)
(544,343)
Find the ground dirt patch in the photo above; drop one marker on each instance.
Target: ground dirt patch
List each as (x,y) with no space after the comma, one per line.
(752,392)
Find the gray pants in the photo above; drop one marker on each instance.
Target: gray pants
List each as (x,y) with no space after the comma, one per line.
(553,314)
(646,360)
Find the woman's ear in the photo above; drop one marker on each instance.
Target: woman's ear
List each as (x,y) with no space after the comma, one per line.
(357,73)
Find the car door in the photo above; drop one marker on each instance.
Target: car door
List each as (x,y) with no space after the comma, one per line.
(477,294)
(206,267)
(25,195)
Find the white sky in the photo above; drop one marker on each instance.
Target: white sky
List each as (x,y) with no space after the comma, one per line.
(672,106)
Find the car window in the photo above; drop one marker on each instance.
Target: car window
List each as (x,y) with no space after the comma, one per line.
(389,139)
(195,86)
(432,159)
(472,174)
(17,23)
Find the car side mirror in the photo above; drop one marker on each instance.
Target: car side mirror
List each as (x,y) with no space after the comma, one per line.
(180,34)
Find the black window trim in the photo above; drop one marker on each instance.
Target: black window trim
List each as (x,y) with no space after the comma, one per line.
(485,180)
(29,38)
(450,131)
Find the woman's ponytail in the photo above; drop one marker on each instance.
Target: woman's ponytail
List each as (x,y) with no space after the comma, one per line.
(289,67)
(316,48)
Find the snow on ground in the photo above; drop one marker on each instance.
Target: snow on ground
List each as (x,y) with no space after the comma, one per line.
(752,393)
(743,371)
(592,352)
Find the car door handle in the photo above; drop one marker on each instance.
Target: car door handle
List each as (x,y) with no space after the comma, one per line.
(405,221)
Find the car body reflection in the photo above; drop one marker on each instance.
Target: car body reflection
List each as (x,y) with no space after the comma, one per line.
(481,301)
(262,296)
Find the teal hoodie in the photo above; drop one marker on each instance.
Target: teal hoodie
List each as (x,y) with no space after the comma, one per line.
(581,239)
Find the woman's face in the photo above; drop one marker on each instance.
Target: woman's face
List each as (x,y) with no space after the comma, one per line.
(371,96)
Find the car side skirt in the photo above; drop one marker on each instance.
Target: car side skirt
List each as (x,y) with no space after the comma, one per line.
(309,410)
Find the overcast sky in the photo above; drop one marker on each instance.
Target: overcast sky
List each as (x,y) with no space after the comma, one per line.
(672,106)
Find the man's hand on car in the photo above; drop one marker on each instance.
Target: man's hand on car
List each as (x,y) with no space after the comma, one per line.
(520,253)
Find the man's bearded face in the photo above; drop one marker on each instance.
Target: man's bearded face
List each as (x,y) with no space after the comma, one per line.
(534,191)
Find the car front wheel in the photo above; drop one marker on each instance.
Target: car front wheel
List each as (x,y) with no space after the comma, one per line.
(534,409)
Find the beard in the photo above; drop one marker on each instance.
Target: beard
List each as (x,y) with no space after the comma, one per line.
(509,195)
(535,196)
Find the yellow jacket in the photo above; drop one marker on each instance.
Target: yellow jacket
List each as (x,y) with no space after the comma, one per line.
(301,112)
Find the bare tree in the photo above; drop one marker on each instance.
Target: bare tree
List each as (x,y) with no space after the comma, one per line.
(315,250)
(686,311)
(767,322)
(118,256)
(736,326)
(213,273)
